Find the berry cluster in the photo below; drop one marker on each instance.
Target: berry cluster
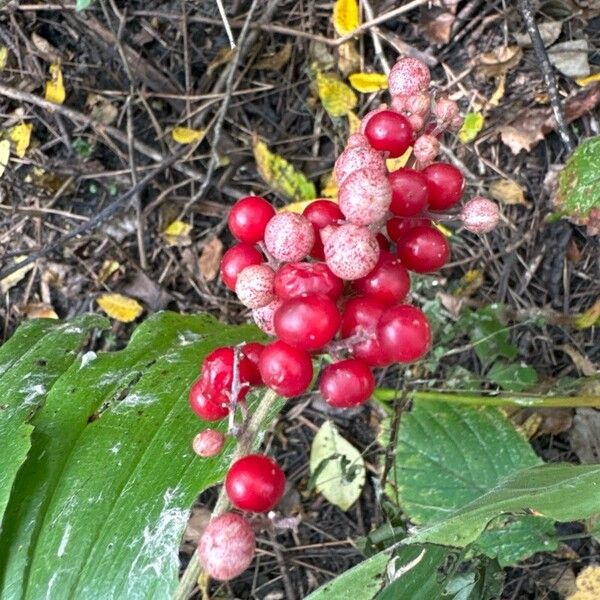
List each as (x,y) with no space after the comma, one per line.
(333,281)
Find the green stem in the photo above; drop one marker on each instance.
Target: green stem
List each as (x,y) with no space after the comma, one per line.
(500,399)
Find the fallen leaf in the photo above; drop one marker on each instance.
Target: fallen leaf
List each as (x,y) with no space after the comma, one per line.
(549,31)
(393,164)
(541,421)
(329,187)
(499,61)
(223,57)
(353,122)
(39,310)
(574,252)
(582,362)
(585,435)
(210,258)
(195,527)
(187,135)
(498,92)
(141,287)
(50,182)
(101,109)
(583,81)
(346,16)
(280,174)
(45,48)
(558,578)
(589,318)
(119,307)
(275,61)
(507,191)
(367,83)
(571,58)
(471,127)
(55,89)
(177,233)
(21,135)
(348,57)
(14,278)
(4,155)
(3,57)
(296,207)
(108,268)
(337,98)
(437,21)
(469,283)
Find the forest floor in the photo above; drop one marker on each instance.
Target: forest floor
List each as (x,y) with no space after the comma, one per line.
(133,71)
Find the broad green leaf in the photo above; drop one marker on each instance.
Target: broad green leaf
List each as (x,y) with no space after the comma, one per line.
(514,377)
(30,362)
(337,467)
(471,127)
(578,194)
(490,336)
(99,507)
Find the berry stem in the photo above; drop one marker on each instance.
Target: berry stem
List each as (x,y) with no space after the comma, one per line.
(334,348)
(234,394)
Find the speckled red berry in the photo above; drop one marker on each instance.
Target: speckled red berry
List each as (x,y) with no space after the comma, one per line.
(351,251)
(289,237)
(254,286)
(208,443)
(365,197)
(408,76)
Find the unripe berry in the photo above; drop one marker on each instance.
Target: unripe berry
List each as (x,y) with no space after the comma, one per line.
(321,213)
(254,286)
(289,237)
(255,483)
(404,334)
(417,122)
(388,282)
(227,546)
(295,279)
(445,111)
(357,158)
(423,249)
(265,315)
(408,76)
(445,184)
(389,131)
(208,443)
(249,217)
(365,197)
(347,383)
(350,251)
(236,259)
(425,149)
(409,192)
(286,369)
(480,215)
(413,104)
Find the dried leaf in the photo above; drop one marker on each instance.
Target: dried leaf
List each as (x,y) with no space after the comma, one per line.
(436,22)
(353,122)
(210,258)
(119,307)
(585,435)
(469,283)
(141,287)
(177,233)
(549,30)
(187,135)
(571,58)
(471,127)
(368,82)
(498,92)
(4,155)
(101,109)
(108,268)
(55,89)
(280,174)
(276,61)
(583,81)
(346,16)
(39,310)
(393,164)
(21,135)
(499,61)
(337,98)
(3,57)
(507,191)
(541,421)
(14,278)
(589,318)
(583,363)
(224,55)
(588,584)
(348,57)
(45,48)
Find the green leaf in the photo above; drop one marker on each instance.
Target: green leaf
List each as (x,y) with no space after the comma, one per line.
(490,336)
(482,581)
(471,127)
(578,194)
(513,377)
(82,4)
(30,362)
(102,501)
(337,466)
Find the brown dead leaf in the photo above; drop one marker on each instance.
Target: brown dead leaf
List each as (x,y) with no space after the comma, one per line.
(46,50)
(507,191)
(276,61)
(224,55)
(196,525)
(101,109)
(499,61)
(556,578)
(143,288)
(210,258)
(437,19)
(541,421)
(348,58)
(453,304)
(574,252)
(38,310)
(549,31)
(585,435)
(583,363)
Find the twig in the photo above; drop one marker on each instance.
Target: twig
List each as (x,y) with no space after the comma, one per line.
(375,37)
(225,23)
(549,79)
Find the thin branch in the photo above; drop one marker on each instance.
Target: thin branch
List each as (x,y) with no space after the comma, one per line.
(375,37)
(225,23)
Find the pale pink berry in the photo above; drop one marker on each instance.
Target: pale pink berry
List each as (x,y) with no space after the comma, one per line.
(227,546)
(456,123)
(367,117)
(254,286)
(355,158)
(289,237)
(425,149)
(415,104)
(264,316)
(480,215)
(446,112)
(417,122)
(408,76)
(357,140)
(208,443)
(351,251)
(365,196)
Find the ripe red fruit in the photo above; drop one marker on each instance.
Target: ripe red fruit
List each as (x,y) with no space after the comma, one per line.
(361,316)
(445,184)
(252,351)
(227,546)
(347,383)
(249,217)
(404,334)
(423,249)
(285,369)
(389,131)
(388,282)
(203,406)
(208,443)
(289,237)
(397,227)
(409,192)
(254,286)
(321,213)
(294,279)
(236,259)
(255,483)
(217,374)
(384,243)
(308,322)
(351,251)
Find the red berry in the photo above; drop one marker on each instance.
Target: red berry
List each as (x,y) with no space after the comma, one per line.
(227,546)
(289,237)
(347,383)
(397,227)
(384,243)
(423,249)
(254,286)
(208,443)
(389,131)
(217,373)
(294,279)
(351,251)
(285,369)
(255,483)
(361,316)
(203,406)
(308,322)
(365,197)
(445,184)
(236,259)
(408,76)
(249,217)
(252,351)
(263,316)
(388,282)
(409,192)
(404,334)
(321,213)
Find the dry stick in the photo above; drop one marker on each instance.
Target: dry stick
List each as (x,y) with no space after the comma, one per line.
(375,37)
(190,576)
(225,23)
(549,79)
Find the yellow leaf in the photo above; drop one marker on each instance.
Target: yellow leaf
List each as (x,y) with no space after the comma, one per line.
(3,57)
(337,98)
(4,155)
(329,188)
(393,164)
(346,16)
(353,122)
(589,318)
(280,174)
(507,191)
(55,90)
(469,283)
(108,268)
(368,82)
(588,584)
(296,207)
(14,278)
(471,126)
(39,310)
(582,81)
(21,135)
(447,232)
(119,307)
(499,92)
(177,233)
(186,135)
